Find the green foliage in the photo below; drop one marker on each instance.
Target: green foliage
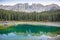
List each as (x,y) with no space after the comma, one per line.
(51,16)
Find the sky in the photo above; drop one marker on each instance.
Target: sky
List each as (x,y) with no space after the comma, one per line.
(44,2)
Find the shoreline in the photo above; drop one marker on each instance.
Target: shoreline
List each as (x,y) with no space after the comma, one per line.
(30,22)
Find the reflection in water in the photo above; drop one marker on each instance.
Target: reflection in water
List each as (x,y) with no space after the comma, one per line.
(30,32)
(43,37)
(13,36)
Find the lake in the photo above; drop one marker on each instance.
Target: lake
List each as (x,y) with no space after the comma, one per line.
(30,32)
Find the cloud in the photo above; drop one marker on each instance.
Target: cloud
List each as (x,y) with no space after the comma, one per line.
(12,2)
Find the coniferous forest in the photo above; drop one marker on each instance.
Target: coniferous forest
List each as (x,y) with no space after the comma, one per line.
(49,16)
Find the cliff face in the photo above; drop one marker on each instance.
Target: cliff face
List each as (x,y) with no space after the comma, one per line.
(30,8)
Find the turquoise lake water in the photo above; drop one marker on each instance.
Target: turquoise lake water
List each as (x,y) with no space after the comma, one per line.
(29,32)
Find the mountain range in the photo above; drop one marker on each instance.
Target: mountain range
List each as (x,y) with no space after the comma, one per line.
(30,8)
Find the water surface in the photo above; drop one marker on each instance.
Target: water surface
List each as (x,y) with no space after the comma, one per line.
(30,32)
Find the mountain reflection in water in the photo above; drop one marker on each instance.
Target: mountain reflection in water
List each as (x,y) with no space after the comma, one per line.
(30,32)
(12,36)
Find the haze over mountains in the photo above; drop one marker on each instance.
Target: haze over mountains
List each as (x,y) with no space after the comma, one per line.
(30,8)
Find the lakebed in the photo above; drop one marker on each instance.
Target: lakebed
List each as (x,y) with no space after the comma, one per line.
(30,22)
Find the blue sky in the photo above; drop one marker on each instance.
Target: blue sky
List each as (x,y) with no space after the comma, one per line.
(44,2)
